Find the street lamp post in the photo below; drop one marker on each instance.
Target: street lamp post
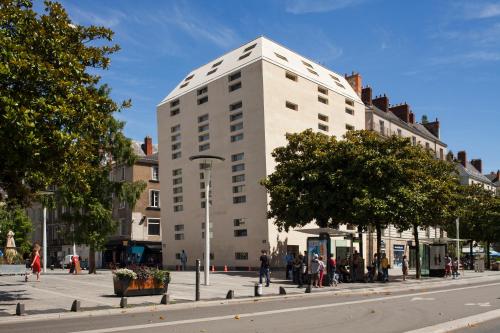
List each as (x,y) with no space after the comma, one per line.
(457,222)
(207,161)
(44,243)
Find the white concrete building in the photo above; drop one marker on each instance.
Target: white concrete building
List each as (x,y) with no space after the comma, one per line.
(240,106)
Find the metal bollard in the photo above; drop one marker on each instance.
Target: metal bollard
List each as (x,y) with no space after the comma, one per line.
(282,291)
(308,289)
(165,299)
(75,307)
(230,294)
(258,289)
(197,296)
(123,302)
(20,309)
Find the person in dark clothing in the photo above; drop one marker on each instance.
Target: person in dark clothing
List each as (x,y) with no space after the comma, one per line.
(298,266)
(264,268)
(331,267)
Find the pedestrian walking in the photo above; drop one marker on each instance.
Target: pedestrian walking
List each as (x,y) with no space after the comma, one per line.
(331,267)
(385,267)
(184,260)
(455,268)
(264,268)
(355,266)
(289,266)
(405,267)
(447,265)
(305,269)
(315,271)
(299,269)
(35,262)
(321,271)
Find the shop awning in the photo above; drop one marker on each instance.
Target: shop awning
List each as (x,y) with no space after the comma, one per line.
(330,231)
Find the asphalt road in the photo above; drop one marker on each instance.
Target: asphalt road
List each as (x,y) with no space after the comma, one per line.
(386,312)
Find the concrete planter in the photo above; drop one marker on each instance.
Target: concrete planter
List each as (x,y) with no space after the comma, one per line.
(129,287)
(13,269)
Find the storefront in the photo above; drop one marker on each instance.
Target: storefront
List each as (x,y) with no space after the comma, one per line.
(398,253)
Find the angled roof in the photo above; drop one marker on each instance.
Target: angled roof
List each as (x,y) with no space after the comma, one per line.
(472,172)
(255,50)
(141,156)
(415,128)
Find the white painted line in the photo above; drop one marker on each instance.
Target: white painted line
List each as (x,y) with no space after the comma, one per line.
(422,299)
(271,312)
(459,323)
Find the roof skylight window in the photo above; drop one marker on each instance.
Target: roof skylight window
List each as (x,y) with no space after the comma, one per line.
(307,64)
(249,47)
(340,85)
(334,77)
(189,77)
(184,84)
(212,71)
(244,56)
(217,63)
(312,72)
(280,56)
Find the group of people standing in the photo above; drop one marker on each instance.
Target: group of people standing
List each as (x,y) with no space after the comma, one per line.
(451,266)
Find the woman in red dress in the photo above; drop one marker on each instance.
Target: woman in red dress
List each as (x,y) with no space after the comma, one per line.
(35,263)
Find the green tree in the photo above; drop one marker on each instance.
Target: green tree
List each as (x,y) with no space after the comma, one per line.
(15,219)
(56,119)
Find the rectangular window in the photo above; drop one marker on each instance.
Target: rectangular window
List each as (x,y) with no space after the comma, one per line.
(349,127)
(237,157)
(174,112)
(240,199)
(349,111)
(176,155)
(174,103)
(240,233)
(179,227)
(307,64)
(234,76)
(176,172)
(244,56)
(202,185)
(280,56)
(323,100)
(202,100)
(122,205)
(235,106)
(154,227)
(323,127)
(441,154)
(237,137)
(155,175)
(349,102)
(238,189)
(204,147)
(212,71)
(235,86)
(291,76)
(236,116)
(154,198)
(177,181)
(239,222)
(427,145)
(238,167)
(203,137)
(202,175)
(312,72)
(292,106)
(248,48)
(178,199)
(382,127)
(322,117)
(175,137)
(202,91)
(236,127)
(177,190)
(179,236)
(241,255)
(178,208)
(175,128)
(323,90)
(176,146)
(217,63)
(414,140)
(203,118)
(122,173)
(238,178)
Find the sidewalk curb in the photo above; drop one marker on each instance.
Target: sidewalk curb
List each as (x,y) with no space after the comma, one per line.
(417,286)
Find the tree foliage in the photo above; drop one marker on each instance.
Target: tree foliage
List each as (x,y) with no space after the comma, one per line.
(15,219)
(56,119)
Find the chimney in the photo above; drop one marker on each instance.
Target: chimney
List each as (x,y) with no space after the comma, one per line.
(402,111)
(355,81)
(462,157)
(366,95)
(478,164)
(498,175)
(147,146)
(382,102)
(433,127)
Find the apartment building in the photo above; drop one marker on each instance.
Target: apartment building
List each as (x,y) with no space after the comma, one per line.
(494,177)
(240,106)
(138,236)
(471,172)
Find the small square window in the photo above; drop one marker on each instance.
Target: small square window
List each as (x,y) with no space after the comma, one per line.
(291,76)
(176,172)
(323,100)
(349,127)
(177,190)
(179,227)
(323,127)
(349,102)
(239,199)
(203,118)
(204,147)
(176,146)
(236,127)
(203,137)
(244,56)
(292,106)
(237,157)
(178,208)
(322,117)
(154,227)
(202,91)
(238,167)
(238,189)
(174,112)
(175,128)
(202,100)
(239,222)
(237,137)
(349,111)
(241,255)
(178,236)
(178,199)
(280,56)
(235,106)
(174,103)
(235,116)
(249,48)
(323,90)
(177,181)
(240,233)
(176,155)
(203,128)
(238,178)
(212,71)
(175,137)
(234,76)
(235,86)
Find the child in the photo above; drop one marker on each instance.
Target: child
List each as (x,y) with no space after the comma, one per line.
(405,267)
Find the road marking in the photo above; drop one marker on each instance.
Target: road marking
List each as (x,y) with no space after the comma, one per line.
(422,299)
(459,323)
(271,312)
(478,304)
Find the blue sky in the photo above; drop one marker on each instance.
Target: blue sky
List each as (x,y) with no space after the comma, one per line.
(442,57)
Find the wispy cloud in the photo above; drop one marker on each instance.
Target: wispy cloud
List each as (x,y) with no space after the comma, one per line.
(480,10)
(318,6)
(110,19)
(468,58)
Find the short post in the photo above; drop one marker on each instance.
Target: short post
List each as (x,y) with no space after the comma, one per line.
(165,299)
(230,294)
(257,289)
(20,309)
(198,279)
(123,302)
(308,289)
(75,307)
(282,291)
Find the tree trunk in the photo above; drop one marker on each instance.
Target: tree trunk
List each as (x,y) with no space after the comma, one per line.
(361,245)
(488,254)
(379,246)
(471,254)
(92,269)
(417,251)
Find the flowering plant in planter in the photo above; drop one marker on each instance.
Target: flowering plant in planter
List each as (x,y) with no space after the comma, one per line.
(125,274)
